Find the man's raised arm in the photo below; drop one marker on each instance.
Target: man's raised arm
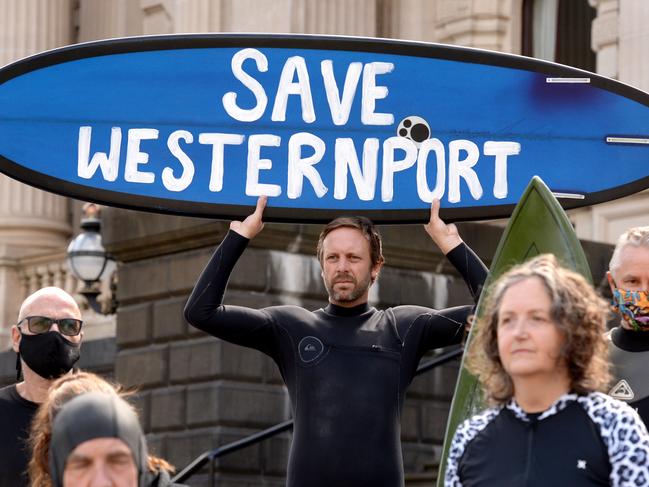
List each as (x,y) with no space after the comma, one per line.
(205,309)
(448,239)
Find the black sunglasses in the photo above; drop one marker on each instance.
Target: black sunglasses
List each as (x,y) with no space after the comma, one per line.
(42,324)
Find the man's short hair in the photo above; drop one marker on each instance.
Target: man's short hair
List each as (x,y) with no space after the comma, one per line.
(636,237)
(360,223)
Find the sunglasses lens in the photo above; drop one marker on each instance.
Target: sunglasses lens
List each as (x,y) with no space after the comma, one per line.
(39,324)
(70,326)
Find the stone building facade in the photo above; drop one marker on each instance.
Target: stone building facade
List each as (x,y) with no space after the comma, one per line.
(197,392)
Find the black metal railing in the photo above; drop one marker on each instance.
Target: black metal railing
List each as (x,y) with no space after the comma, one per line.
(211,455)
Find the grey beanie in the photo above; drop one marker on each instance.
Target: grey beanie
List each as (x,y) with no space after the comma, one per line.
(95,415)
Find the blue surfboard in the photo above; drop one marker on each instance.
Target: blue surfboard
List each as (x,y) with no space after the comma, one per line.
(203,124)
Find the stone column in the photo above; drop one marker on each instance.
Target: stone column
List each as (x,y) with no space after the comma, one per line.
(487,24)
(101,19)
(605,35)
(31,221)
(409,19)
(336,17)
(633,42)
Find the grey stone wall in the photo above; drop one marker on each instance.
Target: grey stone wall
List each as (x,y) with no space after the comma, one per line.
(198,392)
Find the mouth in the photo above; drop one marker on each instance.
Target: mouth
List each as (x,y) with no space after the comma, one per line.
(344,280)
(522,350)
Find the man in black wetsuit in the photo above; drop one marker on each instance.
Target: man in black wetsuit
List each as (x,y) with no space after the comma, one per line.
(46,339)
(346,366)
(629,343)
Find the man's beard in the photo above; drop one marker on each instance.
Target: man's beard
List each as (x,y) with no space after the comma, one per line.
(358,288)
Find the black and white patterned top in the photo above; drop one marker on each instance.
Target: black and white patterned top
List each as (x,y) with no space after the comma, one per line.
(580,440)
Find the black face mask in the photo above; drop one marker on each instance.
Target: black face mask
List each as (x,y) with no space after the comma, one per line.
(49,354)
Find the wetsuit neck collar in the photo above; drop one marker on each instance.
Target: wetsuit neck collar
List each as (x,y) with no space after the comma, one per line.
(558,405)
(630,340)
(357,310)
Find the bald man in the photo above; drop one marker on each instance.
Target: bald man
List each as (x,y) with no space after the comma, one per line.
(46,339)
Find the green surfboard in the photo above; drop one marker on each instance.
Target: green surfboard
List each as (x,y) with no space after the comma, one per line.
(538,225)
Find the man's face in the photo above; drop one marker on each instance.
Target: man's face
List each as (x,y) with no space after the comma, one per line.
(49,304)
(105,462)
(347,268)
(632,274)
(633,271)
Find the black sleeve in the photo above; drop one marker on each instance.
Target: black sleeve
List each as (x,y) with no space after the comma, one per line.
(205,309)
(470,267)
(446,327)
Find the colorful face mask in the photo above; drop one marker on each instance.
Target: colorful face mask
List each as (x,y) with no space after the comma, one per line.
(633,306)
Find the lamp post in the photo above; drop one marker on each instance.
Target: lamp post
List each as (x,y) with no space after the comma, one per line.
(87,257)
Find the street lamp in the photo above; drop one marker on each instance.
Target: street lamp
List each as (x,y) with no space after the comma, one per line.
(87,257)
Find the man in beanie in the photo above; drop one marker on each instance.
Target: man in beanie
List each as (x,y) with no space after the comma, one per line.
(97,440)
(46,339)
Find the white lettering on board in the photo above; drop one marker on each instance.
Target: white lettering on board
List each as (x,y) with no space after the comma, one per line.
(218,142)
(501,150)
(340,107)
(256,164)
(391,166)
(462,168)
(423,190)
(135,158)
(294,65)
(109,164)
(373,92)
(171,182)
(347,160)
(230,98)
(305,153)
(300,167)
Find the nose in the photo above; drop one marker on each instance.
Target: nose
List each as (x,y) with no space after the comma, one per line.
(342,265)
(101,477)
(520,329)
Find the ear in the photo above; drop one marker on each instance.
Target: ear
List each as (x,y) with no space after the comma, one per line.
(376,269)
(15,338)
(611,281)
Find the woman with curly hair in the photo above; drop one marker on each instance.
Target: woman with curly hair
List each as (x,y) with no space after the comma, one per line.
(541,357)
(61,392)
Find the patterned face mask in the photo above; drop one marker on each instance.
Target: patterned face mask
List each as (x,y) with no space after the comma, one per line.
(634,307)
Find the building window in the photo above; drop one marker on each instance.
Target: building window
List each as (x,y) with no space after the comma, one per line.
(559,30)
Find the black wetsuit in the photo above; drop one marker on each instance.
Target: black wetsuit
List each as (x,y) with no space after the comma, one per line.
(346,369)
(580,441)
(630,358)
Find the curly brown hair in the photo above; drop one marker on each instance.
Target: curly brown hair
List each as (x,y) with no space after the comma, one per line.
(61,391)
(577,311)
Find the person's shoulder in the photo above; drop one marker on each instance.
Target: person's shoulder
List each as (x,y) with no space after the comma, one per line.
(472,427)
(610,413)
(599,403)
(8,393)
(10,402)
(161,478)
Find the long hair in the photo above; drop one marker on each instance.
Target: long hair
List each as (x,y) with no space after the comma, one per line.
(576,310)
(61,391)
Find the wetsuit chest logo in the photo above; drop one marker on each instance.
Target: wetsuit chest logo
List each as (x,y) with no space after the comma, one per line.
(309,349)
(622,391)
